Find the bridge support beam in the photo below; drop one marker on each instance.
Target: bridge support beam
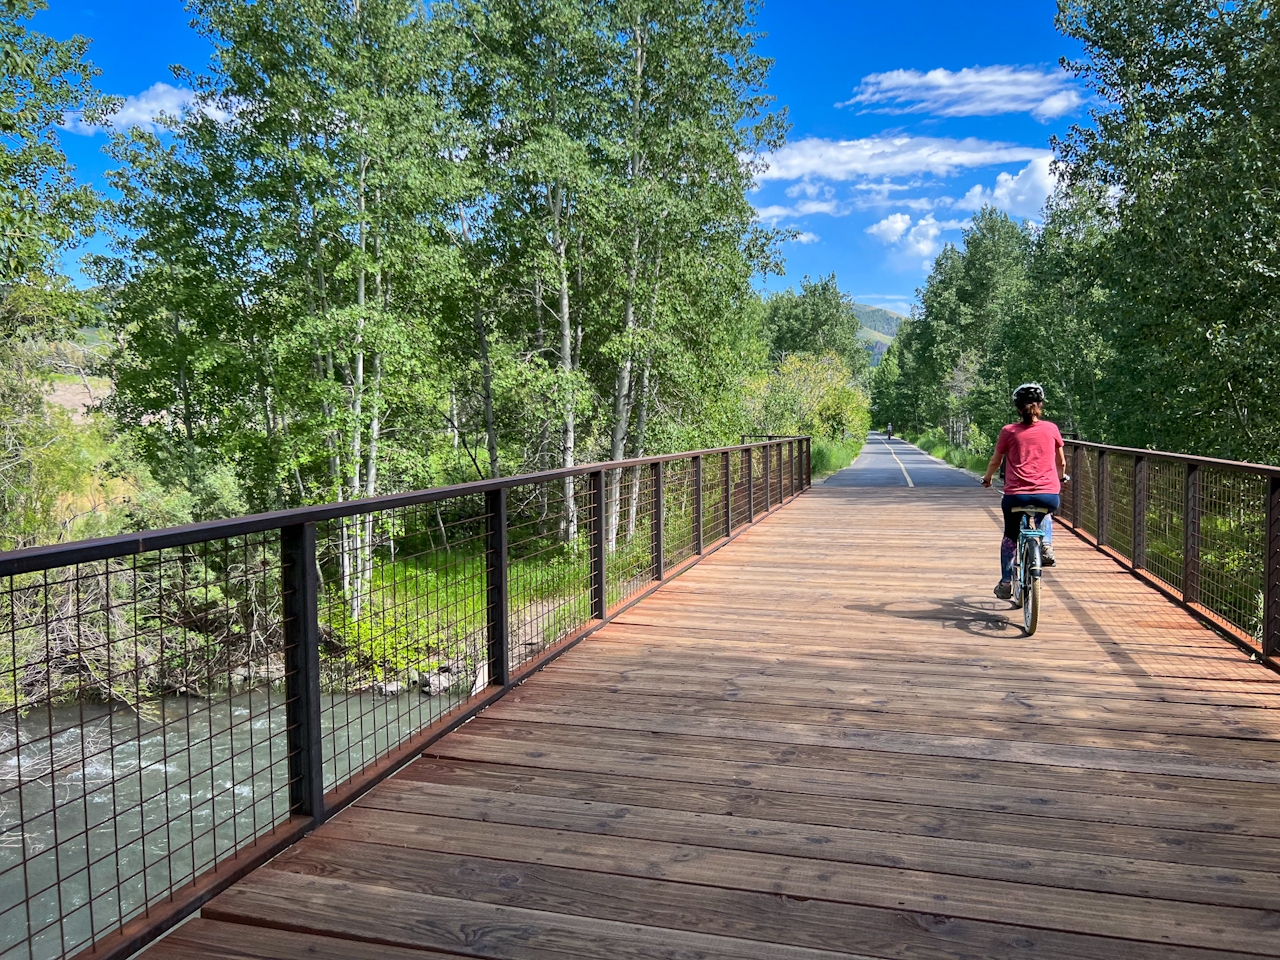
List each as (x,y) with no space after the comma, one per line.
(300,595)
(599,585)
(499,640)
(1271,611)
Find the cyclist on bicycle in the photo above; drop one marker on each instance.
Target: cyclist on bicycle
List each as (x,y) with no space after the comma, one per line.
(1035,467)
(889,430)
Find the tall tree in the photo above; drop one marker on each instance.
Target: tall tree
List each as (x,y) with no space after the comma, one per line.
(1181,150)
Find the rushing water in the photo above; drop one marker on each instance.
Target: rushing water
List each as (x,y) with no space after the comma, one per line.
(104,810)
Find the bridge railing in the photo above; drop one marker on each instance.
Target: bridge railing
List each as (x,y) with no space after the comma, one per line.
(176,706)
(1205,532)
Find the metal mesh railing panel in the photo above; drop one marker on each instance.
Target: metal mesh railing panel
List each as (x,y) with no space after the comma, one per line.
(1165,484)
(402,610)
(714,503)
(629,560)
(757,480)
(1233,512)
(549,572)
(141,733)
(678,516)
(741,492)
(1088,491)
(1119,480)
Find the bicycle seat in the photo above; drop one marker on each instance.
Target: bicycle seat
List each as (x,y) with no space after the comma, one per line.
(1034,509)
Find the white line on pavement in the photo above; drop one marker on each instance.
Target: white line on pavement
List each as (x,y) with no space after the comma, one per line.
(910,482)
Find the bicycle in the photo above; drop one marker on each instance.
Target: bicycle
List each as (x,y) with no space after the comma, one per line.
(1026,565)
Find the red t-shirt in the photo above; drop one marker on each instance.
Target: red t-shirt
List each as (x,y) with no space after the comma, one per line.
(1031,461)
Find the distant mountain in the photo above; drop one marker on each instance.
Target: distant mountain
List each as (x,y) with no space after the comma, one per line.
(878,319)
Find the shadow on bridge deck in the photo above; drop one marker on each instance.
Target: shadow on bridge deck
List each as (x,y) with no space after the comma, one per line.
(827,740)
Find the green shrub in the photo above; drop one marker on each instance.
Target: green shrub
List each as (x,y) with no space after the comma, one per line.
(828,456)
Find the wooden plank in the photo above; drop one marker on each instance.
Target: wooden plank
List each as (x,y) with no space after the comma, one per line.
(738,914)
(383,915)
(589,701)
(203,939)
(1098,873)
(1242,722)
(1213,851)
(887,775)
(1025,904)
(930,744)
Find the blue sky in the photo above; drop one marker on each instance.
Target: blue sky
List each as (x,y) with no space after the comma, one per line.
(905,118)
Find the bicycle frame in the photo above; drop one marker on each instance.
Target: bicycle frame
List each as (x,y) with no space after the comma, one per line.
(1029,530)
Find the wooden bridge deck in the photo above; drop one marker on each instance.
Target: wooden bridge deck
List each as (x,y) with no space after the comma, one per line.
(825,741)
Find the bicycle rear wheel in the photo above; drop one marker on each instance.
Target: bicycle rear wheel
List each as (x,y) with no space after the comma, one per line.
(1031,589)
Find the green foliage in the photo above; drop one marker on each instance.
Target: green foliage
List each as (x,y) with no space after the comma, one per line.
(819,319)
(42,209)
(828,456)
(812,395)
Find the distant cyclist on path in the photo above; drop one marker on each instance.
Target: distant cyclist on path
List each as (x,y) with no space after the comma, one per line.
(1035,467)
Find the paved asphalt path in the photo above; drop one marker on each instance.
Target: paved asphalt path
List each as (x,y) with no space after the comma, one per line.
(888,463)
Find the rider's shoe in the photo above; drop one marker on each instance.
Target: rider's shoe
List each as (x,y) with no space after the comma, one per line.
(1003,590)
(1046,556)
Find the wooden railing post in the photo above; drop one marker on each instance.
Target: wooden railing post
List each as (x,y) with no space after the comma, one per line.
(751,486)
(1271,567)
(499,644)
(808,462)
(599,593)
(1141,494)
(697,506)
(791,468)
(659,523)
(1191,534)
(1102,497)
(301,600)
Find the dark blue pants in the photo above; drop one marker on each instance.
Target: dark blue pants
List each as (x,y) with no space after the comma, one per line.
(1014,520)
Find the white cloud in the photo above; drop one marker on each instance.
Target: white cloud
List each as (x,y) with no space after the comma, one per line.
(891,228)
(775,212)
(806,188)
(971,92)
(144,110)
(806,237)
(890,157)
(1022,195)
(920,238)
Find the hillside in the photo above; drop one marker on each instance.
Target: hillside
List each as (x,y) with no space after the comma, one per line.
(878,319)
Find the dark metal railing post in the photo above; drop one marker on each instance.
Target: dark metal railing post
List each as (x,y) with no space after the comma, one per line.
(599,595)
(791,468)
(808,462)
(766,453)
(726,468)
(751,486)
(1077,487)
(300,595)
(1271,568)
(1102,497)
(697,506)
(1141,493)
(1191,535)
(499,646)
(659,522)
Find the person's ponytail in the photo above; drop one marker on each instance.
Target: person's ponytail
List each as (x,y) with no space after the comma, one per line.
(1028,415)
